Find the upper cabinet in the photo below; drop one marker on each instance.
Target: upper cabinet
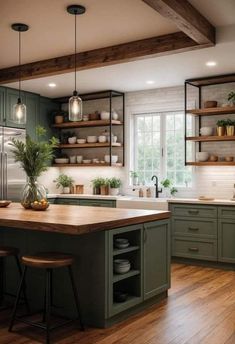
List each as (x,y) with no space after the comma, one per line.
(32,102)
(47,107)
(2,105)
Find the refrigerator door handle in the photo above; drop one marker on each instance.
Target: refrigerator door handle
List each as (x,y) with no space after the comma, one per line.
(5,191)
(1,175)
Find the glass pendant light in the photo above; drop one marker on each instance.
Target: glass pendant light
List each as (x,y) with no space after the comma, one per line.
(18,115)
(75,102)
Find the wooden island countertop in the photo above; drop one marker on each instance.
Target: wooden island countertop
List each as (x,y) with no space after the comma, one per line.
(76,220)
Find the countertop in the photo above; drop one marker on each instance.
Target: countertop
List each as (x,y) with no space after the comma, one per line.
(197,201)
(76,220)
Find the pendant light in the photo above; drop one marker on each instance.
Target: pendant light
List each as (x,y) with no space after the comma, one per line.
(19,109)
(75,102)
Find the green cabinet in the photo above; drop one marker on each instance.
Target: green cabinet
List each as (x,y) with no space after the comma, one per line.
(67,201)
(226,239)
(98,203)
(11,99)
(47,107)
(190,210)
(196,248)
(2,105)
(32,102)
(156,258)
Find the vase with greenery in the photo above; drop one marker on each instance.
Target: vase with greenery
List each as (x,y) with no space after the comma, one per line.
(169,188)
(231,98)
(34,157)
(221,126)
(114,186)
(65,182)
(134,177)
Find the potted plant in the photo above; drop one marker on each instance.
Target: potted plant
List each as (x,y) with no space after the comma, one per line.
(104,186)
(166,183)
(34,158)
(96,183)
(231,98)
(114,185)
(134,177)
(65,181)
(221,124)
(173,191)
(229,127)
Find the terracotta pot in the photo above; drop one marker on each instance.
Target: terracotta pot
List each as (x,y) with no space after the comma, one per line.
(59,119)
(230,130)
(104,190)
(210,104)
(220,131)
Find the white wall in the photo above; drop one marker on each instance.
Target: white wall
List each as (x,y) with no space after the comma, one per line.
(214,181)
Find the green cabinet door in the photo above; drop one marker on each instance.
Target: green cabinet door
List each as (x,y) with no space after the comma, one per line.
(2,105)
(97,203)
(32,103)
(47,107)
(156,258)
(226,240)
(11,99)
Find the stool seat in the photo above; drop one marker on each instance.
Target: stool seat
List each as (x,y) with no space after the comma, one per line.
(6,251)
(48,260)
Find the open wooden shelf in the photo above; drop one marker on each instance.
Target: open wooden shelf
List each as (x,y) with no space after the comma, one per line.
(210,138)
(88,165)
(89,145)
(211,163)
(118,251)
(85,124)
(213,111)
(120,277)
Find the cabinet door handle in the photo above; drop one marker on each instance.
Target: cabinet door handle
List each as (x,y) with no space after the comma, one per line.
(193,249)
(193,228)
(145,234)
(193,212)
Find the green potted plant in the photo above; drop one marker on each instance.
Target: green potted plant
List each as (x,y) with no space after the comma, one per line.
(100,186)
(34,158)
(231,98)
(114,185)
(65,182)
(134,177)
(221,125)
(104,186)
(173,191)
(166,183)
(229,127)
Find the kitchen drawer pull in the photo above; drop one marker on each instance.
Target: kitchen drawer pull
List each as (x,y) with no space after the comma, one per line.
(193,212)
(193,228)
(193,249)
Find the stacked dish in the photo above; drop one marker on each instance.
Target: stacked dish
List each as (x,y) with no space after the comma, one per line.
(121,243)
(121,266)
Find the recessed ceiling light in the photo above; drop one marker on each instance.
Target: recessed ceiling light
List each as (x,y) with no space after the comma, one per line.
(52,84)
(211,64)
(150,82)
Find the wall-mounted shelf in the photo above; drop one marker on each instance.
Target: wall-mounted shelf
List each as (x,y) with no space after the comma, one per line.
(210,138)
(211,163)
(131,273)
(213,111)
(85,124)
(88,165)
(88,145)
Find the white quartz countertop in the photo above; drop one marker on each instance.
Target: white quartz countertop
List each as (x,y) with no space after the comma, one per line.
(197,201)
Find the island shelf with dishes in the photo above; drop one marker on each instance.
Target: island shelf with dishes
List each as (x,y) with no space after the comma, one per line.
(102,128)
(199,133)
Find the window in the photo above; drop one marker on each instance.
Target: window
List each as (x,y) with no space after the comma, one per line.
(159,147)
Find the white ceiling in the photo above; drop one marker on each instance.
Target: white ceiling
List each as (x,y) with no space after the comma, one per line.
(165,71)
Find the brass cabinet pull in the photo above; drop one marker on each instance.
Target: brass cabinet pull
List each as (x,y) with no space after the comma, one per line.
(193,212)
(193,228)
(193,249)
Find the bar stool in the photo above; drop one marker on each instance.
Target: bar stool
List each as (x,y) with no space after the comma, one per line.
(49,262)
(6,251)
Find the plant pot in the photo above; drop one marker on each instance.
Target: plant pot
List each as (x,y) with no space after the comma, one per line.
(33,192)
(104,190)
(220,131)
(66,190)
(59,119)
(114,191)
(96,190)
(230,130)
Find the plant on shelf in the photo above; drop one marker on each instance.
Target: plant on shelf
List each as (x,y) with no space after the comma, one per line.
(100,186)
(134,177)
(231,98)
(34,158)
(65,182)
(168,185)
(229,127)
(114,185)
(221,125)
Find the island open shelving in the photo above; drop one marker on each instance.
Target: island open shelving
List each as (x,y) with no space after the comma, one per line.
(201,112)
(109,97)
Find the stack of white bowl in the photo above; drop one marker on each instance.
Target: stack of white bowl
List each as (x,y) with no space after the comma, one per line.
(121,266)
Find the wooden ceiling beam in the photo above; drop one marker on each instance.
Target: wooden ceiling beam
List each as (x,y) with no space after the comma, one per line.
(141,49)
(187,19)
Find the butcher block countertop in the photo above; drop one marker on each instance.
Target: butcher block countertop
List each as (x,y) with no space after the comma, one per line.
(76,220)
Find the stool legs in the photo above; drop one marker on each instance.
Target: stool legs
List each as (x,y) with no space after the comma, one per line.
(75,293)
(24,286)
(19,291)
(48,304)
(2,278)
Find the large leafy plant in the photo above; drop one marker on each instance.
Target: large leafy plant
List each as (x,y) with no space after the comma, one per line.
(34,156)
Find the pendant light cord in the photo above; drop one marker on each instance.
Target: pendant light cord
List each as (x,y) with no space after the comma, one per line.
(19,64)
(75,52)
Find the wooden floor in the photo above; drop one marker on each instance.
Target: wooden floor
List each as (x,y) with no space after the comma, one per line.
(200,309)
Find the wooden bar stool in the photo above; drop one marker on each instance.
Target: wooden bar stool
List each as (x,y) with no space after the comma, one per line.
(47,261)
(6,251)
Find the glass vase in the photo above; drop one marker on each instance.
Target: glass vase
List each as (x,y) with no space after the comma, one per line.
(33,193)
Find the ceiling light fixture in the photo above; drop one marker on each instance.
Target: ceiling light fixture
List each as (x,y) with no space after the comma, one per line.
(52,84)
(150,82)
(18,115)
(75,102)
(211,64)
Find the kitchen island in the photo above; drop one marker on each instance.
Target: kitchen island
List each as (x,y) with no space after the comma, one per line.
(89,234)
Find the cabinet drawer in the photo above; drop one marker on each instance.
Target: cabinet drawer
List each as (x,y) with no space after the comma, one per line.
(194,248)
(194,210)
(226,212)
(194,227)
(97,203)
(67,201)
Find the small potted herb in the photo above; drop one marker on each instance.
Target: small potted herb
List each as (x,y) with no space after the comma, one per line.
(104,187)
(221,124)
(134,177)
(100,186)
(65,182)
(168,185)
(173,191)
(231,98)
(114,185)
(230,127)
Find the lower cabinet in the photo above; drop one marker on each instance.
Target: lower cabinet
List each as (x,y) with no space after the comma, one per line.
(226,240)
(85,202)
(197,248)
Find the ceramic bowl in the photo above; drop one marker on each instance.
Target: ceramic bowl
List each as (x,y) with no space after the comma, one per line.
(91,139)
(202,156)
(213,158)
(61,160)
(229,158)
(102,139)
(114,159)
(4,204)
(120,296)
(121,268)
(72,140)
(86,161)
(210,104)
(206,131)
(79,159)
(105,115)
(81,141)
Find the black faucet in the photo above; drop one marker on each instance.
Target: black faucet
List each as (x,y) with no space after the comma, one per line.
(157,191)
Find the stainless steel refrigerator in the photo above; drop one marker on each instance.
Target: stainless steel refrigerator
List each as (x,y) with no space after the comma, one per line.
(12,176)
